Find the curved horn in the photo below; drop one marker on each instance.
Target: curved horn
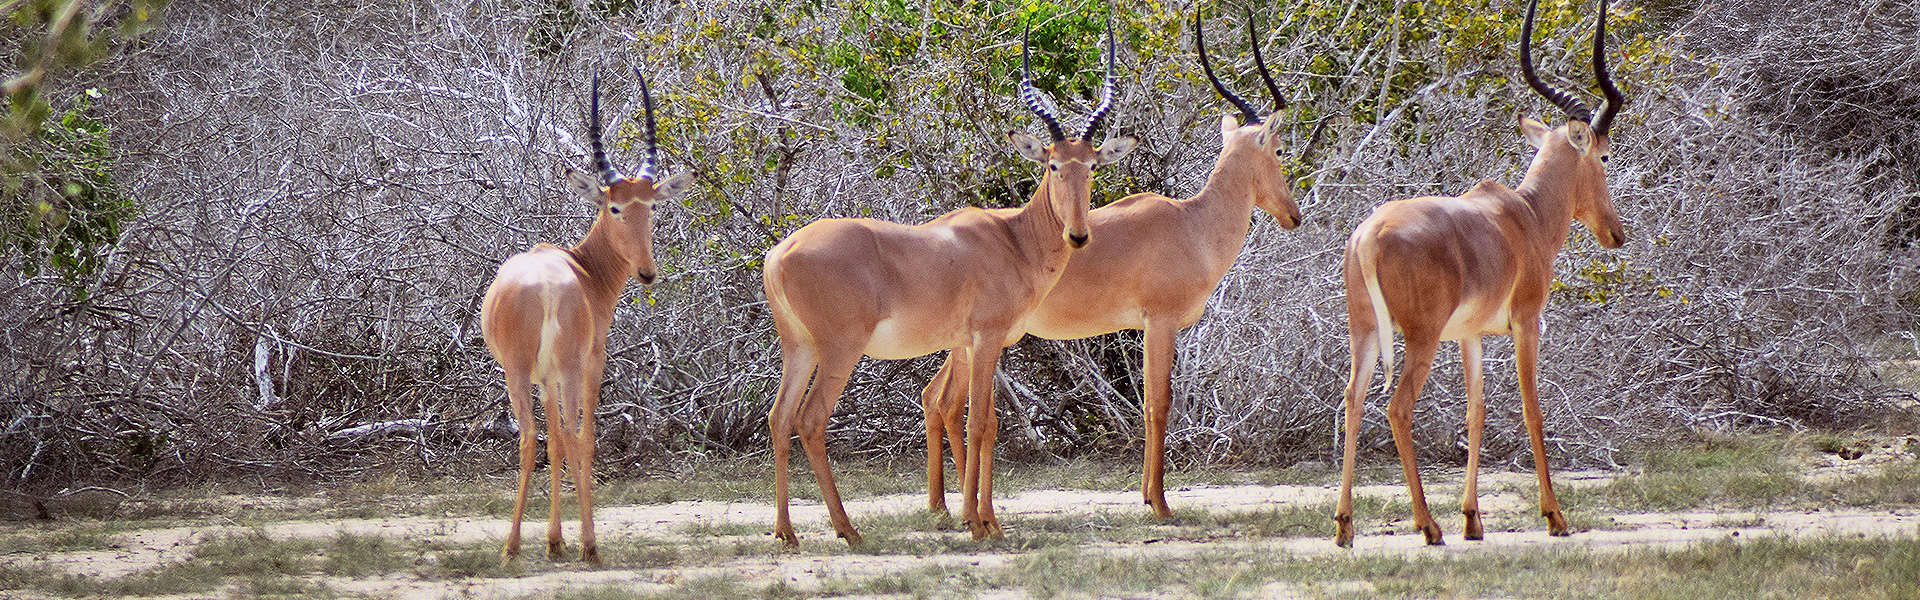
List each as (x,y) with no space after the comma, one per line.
(1095,120)
(1037,102)
(600,165)
(1565,101)
(653,142)
(1615,99)
(1279,100)
(1200,43)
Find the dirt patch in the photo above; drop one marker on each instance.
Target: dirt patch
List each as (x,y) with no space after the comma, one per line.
(823,560)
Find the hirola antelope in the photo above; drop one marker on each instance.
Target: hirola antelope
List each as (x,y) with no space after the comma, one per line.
(964,282)
(546,316)
(1151,265)
(1460,268)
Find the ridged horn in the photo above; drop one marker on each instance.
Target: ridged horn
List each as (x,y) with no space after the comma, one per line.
(1279,100)
(1037,102)
(1200,43)
(653,142)
(1604,122)
(1565,101)
(1095,120)
(600,164)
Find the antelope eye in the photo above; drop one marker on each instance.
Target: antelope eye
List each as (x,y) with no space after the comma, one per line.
(1053,167)
(1603,158)
(614,209)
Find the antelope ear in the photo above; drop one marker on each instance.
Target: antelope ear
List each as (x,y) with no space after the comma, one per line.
(1535,131)
(586,186)
(1027,146)
(1270,132)
(672,187)
(1112,150)
(1228,123)
(1580,134)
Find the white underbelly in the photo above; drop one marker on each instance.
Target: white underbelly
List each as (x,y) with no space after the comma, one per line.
(895,338)
(1054,323)
(1070,330)
(1472,320)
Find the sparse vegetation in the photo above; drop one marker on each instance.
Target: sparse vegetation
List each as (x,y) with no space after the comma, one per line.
(355,555)
(474,559)
(1768,568)
(1896,484)
(1754,472)
(84,535)
(1744,473)
(1246,550)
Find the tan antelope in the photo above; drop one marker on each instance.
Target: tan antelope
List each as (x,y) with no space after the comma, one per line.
(546,316)
(1474,265)
(840,288)
(1152,266)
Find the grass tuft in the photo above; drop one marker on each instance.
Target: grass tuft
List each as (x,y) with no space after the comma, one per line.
(65,536)
(254,553)
(1748,472)
(281,587)
(1897,484)
(474,559)
(21,577)
(355,555)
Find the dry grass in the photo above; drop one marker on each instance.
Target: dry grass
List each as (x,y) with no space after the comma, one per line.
(1078,553)
(1768,568)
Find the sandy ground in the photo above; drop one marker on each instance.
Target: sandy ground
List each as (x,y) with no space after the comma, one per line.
(1378,533)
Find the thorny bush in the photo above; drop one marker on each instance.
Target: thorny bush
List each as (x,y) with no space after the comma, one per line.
(325,190)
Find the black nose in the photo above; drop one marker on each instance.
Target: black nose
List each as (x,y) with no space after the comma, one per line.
(646,277)
(1079,240)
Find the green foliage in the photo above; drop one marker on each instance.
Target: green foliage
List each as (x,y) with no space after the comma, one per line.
(907,76)
(1442,37)
(59,205)
(1600,281)
(912,75)
(63,208)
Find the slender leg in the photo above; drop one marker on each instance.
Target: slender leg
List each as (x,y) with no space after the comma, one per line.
(796,372)
(936,432)
(953,408)
(1526,341)
(1158,384)
(585,403)
(982,428)
(557,442)
(519,393)
(1420,346)
(1363,352)
(836,365)
(1476,419)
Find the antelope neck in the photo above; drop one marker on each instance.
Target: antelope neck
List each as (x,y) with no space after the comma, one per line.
(1551,197)
(607,269)
(1038,231)
(1228,194)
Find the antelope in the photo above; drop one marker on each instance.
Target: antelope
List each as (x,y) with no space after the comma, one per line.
(840,288)
(1152,267)
(1459,268)
(545,318)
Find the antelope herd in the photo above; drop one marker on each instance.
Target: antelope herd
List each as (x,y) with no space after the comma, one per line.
(974,281)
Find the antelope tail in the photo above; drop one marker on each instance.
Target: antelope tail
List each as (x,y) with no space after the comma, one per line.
(1383,322)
